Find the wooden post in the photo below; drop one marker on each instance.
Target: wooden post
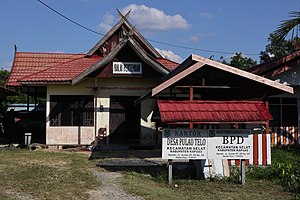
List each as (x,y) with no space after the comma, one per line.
(255,149)
(243,172)
(170,167)
(95,112)
(191,98)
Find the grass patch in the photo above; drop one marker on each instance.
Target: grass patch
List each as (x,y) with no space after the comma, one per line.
(150,188)
(284,171)
(46,175)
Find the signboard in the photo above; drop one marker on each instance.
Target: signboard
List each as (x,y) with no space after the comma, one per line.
(230,144)
(184,144)
(207,144)
(127,68)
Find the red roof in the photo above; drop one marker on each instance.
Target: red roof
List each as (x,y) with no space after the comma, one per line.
(62,72)
(264,68)
(55,67)
(212,111)
(28,63)
(167,63)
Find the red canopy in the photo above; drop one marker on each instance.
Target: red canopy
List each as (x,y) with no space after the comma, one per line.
(199,111)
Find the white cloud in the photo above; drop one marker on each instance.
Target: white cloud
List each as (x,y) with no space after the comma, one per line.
(153,19)
(6,66)
(169,55)
(107,23)
(206,15)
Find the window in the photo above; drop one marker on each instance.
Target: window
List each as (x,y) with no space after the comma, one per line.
(71,110)
(284,111)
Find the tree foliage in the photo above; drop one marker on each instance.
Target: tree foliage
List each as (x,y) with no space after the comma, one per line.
(4,74)
(240,61)
(278,48)
(287,26)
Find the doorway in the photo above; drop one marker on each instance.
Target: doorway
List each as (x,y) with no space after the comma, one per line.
(124,120)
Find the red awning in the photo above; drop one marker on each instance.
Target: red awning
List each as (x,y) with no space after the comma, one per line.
(199,111)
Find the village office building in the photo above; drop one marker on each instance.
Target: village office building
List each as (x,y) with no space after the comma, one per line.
(94,94)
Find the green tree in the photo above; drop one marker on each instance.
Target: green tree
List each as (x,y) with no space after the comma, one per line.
(278,48)
(21,98)
(4,74)
(240,61)
(288,26)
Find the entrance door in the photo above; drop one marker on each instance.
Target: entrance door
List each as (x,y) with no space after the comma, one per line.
(124,120)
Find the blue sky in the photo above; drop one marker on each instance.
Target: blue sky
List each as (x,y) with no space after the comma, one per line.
(214,25)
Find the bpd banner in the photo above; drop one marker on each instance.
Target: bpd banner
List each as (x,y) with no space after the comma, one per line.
(207,144)
(230,144)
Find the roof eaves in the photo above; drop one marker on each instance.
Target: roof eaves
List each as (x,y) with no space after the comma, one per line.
(263,68)
(243,73)
(105,37)
(42,83)
(176,77)
(141,37)
(101,63)
(114,29)
(145,57)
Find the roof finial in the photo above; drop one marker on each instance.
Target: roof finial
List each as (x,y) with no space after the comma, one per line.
(124,16)
(16,48)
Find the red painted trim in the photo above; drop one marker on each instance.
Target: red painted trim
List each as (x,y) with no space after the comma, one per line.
(255,149)
(264,149)
(296,135)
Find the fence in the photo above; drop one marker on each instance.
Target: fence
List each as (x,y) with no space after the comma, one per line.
(284,135)
(261,151)
(262,144)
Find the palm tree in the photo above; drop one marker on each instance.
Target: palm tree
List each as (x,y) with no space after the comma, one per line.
(289,25)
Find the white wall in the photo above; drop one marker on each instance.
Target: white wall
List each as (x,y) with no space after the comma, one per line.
(68,135)
(106,87)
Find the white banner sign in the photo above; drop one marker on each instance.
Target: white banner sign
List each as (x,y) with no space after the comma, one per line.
(184,144)
(207,144)
(127,68)
(230,144)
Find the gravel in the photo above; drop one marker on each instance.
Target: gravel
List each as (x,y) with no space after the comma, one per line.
(111,188)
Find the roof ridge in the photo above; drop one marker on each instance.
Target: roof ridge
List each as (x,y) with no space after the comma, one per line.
(58,53)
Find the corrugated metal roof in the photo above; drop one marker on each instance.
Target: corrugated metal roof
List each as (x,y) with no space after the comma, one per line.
(212,111)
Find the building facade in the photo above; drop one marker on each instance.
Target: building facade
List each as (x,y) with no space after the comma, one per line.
(90,97)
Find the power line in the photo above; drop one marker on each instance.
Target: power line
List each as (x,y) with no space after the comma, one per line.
(67,18)
(155,41)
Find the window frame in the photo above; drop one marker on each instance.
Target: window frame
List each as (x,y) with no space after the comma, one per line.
(72,110)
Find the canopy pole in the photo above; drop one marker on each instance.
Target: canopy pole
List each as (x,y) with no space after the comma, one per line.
(264,136)
(191,98)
